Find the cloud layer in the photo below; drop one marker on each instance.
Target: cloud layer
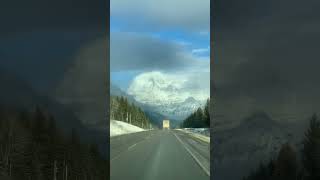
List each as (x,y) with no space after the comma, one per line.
(267,58)
(137,52)
(160,41)
(39,37)
(27,16)
(190,14)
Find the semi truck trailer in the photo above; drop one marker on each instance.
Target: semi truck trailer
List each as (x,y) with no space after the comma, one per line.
(165,124)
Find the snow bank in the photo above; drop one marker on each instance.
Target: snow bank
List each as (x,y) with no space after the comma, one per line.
(200,133)
(119,128)
(203,131)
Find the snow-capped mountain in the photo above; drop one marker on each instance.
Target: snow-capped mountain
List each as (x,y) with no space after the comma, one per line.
(257,138)
(156,113)
(169,95)
(178,111)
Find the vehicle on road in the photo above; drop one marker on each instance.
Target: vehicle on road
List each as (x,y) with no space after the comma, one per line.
(165,124)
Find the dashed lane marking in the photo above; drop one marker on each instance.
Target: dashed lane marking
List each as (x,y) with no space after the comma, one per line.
(132,146)
(117,156)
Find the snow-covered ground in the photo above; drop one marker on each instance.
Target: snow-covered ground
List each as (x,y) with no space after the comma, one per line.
(200,133)
(119,128)
(203,131)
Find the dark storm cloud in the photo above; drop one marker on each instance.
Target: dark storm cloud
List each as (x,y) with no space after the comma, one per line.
(41,58)
(59,48)
(39,38)
(266,57)
(136,52)
(26,16)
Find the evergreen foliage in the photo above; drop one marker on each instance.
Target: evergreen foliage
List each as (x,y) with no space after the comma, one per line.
(264,172)
(287,167)
(311,150)
(33,148)
(198,119)
(122,110)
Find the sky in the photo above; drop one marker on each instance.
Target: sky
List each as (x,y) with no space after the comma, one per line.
(40,40)
(170,37)
(57,49)
(266,58)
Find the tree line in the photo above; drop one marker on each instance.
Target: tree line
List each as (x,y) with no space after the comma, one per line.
(122,110)
(198,119)
(290,165)
(32,147)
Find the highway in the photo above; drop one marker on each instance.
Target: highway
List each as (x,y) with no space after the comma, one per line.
(159,155)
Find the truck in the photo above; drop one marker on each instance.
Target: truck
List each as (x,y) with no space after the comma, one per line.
(165,124)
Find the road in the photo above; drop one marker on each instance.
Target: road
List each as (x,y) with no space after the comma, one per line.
(159,155)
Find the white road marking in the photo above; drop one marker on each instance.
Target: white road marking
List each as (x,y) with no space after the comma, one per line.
(194,157)
(117,156)
(132,146)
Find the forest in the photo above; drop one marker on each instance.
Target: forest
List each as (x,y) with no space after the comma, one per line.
(291,164)
(122,110)
(32,147)
(198,119)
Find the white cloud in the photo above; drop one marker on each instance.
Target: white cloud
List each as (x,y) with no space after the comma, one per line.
(204,33)
(183,43)
(200,50)
(160,87)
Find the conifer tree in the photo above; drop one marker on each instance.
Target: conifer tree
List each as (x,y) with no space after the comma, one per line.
(311,150)
(123,110)
(207,113)
(286,166)
(27,156)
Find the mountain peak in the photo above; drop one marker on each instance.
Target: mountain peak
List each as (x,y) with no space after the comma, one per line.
(190,99)
(116,91)
(259,120)
(168,94)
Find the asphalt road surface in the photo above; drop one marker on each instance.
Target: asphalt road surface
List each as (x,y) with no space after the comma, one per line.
(159,155)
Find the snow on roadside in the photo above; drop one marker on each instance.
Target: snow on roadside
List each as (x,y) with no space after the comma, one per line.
(120,127)
(200,133)
(203,131)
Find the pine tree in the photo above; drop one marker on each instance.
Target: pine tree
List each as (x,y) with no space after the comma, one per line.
(199,118)
(122,110)
(27,156)
(286,166)
(207,113)
(311,150)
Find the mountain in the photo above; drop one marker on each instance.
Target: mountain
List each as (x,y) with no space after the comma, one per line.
(116,91)
(157,118)
(169,95)
(83,88)
(175,111)
(179,110)
(17,94)
(255,139)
